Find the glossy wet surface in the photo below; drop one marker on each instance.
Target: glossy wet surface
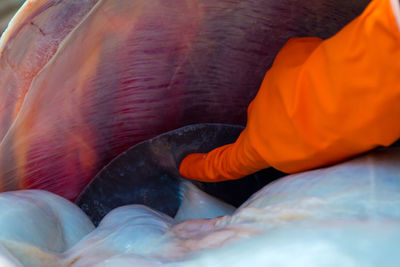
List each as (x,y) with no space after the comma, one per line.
(148,173)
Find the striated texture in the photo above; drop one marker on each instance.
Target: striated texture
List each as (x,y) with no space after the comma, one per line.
(30,42)
(81,81)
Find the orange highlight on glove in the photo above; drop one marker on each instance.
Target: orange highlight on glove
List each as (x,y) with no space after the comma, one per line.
(321,102)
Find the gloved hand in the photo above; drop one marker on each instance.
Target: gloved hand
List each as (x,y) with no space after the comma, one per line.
(231,161)
(320,103)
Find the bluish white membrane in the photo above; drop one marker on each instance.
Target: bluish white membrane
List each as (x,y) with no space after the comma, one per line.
(132,229)
(343,215)
(196,204)
(41,219)
(7,259)
(35,226)
(122,65)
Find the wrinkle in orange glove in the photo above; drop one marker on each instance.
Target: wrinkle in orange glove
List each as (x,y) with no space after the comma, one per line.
(320,103)
(231,161)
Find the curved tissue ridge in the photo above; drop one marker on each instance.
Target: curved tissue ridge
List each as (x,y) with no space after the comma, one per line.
(28,44)
(110,84)
(81,83)
(344,215)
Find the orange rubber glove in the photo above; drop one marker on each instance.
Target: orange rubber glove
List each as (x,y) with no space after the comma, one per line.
(320,103)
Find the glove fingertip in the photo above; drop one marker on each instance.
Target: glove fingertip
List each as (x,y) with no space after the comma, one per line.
(190,164)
